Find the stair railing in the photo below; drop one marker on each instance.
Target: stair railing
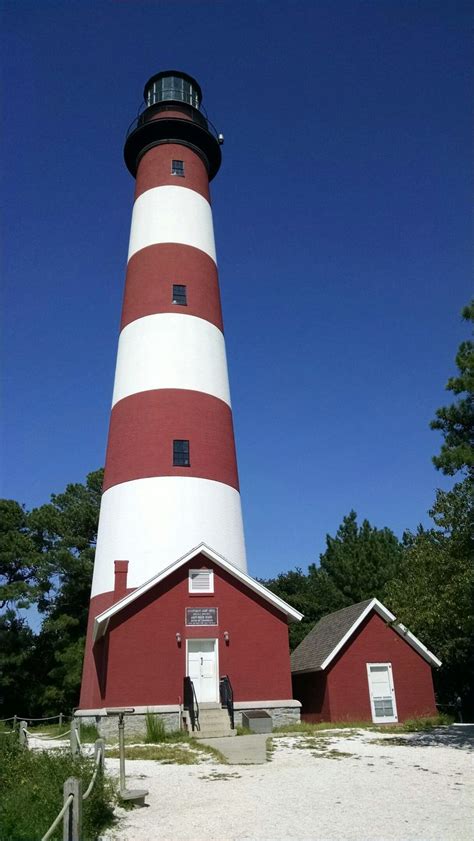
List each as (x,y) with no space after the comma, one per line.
(190,703)
(227,697)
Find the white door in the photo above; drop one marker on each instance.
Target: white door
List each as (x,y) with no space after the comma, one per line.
(382,692)
(202,669)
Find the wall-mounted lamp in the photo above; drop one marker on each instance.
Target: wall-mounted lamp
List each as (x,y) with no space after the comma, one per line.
(178,638)
(226,637)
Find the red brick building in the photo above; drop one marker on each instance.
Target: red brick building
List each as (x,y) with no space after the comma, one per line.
(201,617)
(358,664)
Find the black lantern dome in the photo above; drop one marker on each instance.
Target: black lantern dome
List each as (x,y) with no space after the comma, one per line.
(172,85)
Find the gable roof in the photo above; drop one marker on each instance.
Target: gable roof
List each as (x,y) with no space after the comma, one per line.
(330,634)
(101,621)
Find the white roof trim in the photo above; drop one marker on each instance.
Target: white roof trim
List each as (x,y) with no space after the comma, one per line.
(102,620)
(386,614)
(416,643)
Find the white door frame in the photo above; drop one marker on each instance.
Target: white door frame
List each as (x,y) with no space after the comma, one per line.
(387,719)
(216,653)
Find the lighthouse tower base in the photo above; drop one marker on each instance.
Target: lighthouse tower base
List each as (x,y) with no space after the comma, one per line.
(200,626)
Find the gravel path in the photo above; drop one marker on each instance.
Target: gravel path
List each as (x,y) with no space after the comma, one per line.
(421,790)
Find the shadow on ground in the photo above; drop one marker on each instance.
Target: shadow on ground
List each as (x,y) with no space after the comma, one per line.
(459,736)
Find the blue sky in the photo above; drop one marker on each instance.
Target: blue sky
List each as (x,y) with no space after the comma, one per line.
(341,217)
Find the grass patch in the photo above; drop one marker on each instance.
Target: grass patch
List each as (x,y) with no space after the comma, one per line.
(32,793)
(220,775)
(49,730)
(188,753)
(414,725)
(243,731)
(156,733)
(155,728)
(88,733)
(307,727)
(426,723)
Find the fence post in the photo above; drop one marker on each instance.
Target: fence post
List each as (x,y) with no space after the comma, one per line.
(72,822)
(99,746)
(60,719)
(73,738)
(14,722)
(22,733)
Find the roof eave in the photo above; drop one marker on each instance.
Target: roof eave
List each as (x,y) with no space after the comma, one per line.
(102,620)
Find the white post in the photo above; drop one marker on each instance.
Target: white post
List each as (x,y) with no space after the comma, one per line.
(99,746)
(23,733)
(73,738)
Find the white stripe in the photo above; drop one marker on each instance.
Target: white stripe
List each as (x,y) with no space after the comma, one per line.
(169,350)
(151,522)
(172,214)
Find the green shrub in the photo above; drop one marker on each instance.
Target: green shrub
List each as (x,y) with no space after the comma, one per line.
(88,733)
(32,793)
(157,733)
(155,728)
(426,722)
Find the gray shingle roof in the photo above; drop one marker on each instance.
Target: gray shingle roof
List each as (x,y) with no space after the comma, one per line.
(322,640)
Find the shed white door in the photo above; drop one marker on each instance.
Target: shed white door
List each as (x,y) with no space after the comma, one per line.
(202,669)
(382,692)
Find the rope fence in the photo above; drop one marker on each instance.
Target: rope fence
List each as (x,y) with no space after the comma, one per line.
(59,817)
(59,716)
(47,738)
(71,812)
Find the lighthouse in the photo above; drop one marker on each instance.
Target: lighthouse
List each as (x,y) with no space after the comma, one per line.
(173,607)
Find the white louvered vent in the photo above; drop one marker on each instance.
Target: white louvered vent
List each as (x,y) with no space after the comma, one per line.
(201,581)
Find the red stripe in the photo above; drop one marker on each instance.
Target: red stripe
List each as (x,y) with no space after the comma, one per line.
(144,425)
(154,169)
(151,273)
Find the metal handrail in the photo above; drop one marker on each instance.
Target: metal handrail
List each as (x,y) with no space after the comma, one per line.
(228,697)
(191,702)
(196,115)
(196,708)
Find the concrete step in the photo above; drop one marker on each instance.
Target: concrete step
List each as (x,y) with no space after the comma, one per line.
(212,733)
(213,715)
(214,723)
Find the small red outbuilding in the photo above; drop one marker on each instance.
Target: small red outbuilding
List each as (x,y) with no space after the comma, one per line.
(359,664)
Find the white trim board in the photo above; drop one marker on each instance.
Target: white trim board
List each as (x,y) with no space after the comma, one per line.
(400,629)
(101,621)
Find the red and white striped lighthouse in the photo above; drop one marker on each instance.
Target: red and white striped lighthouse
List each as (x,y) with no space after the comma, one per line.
(171,473)
(171,481)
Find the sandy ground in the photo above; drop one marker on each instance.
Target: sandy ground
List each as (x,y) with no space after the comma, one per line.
(382,791)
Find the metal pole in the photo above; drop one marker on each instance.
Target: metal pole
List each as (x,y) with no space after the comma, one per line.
(60,719)
(72,825)
(121,728)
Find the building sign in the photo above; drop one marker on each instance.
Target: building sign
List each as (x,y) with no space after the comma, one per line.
(201,616)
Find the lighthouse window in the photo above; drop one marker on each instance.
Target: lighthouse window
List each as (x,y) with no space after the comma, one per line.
(179,295)
(180,453)
(177,168)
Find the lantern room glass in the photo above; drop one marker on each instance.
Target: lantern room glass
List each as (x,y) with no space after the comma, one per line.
(174,88)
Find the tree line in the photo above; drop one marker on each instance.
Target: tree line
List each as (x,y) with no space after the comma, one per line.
(426,578)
